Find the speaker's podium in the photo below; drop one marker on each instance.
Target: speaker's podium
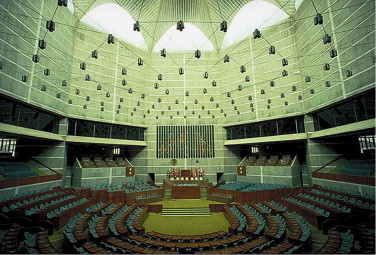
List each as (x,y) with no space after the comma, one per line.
(185,191)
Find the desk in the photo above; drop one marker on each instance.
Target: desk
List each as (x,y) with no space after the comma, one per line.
(185,192)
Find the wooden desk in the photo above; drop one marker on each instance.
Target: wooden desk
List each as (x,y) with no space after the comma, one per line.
(185,192)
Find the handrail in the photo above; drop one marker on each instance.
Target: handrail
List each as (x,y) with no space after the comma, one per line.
(43,164)
(330,162)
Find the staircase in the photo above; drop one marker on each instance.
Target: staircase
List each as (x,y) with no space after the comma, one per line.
(203,193)
(167,194)
(198,211)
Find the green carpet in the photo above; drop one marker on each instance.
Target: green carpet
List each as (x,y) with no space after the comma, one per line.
(195,225)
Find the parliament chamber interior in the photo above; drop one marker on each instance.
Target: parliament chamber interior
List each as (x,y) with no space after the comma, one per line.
(187,126)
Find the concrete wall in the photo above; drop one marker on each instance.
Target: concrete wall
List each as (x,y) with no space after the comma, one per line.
(350,23)
(363,190)
(21,42)
(351,26)
(286,175)
(83,177)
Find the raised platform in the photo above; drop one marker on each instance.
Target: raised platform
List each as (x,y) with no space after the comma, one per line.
(167,183)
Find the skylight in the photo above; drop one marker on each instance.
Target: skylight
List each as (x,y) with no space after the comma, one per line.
(298,3)
(256,14)
(70,6)
(113,19)
(190,39)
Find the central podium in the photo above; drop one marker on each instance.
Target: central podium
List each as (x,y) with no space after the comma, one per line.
(186,191)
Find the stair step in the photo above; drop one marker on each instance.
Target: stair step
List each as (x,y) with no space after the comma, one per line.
(196,211)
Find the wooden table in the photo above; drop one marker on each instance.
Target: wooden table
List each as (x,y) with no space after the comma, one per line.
(185,192)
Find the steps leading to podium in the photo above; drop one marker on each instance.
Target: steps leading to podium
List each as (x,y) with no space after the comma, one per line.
(203,193)
(167,194)
(198,211)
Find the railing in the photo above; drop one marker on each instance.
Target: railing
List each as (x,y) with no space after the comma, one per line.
(369,181)
(327,164)
(41,163)
(29,180)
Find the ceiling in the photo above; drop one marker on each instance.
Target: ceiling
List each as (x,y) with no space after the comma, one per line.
(157,16)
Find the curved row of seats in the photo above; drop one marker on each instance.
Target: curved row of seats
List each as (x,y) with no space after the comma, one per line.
(46,205)
(24,195)
(260,226)
(309,206)
(271,216)
(38,243)
(338,242)
(249,186)
(300,230)
(276,207)
(284,248)
(113,219)
(9,238)
(348,199)
(332,204)
(277,227)
(66,207)
(24,200)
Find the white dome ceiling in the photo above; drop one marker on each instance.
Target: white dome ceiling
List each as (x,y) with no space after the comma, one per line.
(158,16)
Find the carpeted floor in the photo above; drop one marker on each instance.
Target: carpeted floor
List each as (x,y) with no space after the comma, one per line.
(187,225)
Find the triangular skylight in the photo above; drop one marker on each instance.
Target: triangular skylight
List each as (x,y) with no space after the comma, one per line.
(190,39)
(298,3)
(113,19)
(256,14)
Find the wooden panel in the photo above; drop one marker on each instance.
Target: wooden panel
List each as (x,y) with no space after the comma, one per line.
(254,196)
(370,181)
(185,173)
(129,171)
(29,180)
(155,208)
(241,170)
(185,192)
(216,207)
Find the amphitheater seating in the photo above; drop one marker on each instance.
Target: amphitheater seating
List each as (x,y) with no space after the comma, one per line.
(276,208)
(250,161)
(121,162)
(257,229)
(260,161)
(286,232)
(330,206)
(86,162)
(348,199)
(112,226)
(248,186)
(110,162)
(285,160)
(276,227)
(9,240)
(366,234)
(365,168)
(300,230)
(338,242)
(272,161)
(15,170)
(98,161)
(284,248)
